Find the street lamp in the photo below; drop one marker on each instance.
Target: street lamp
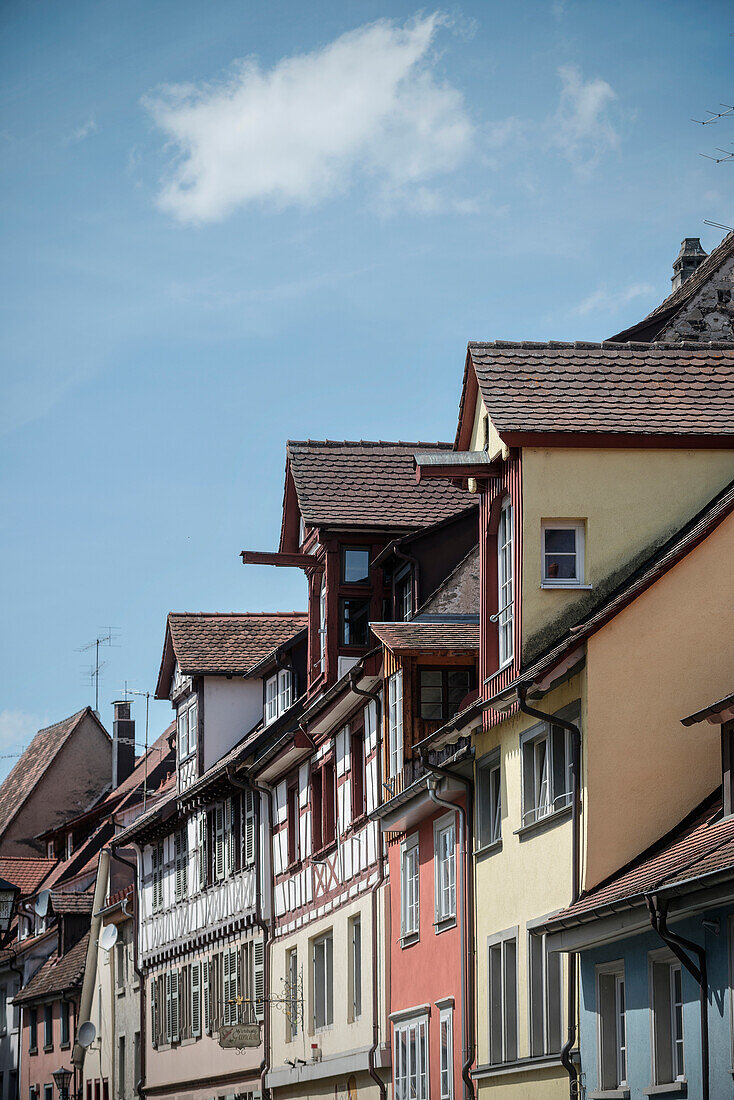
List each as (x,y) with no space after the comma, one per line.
(8,899)
(61,1078)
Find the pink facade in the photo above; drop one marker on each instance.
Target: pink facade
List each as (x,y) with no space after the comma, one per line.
(50,1051)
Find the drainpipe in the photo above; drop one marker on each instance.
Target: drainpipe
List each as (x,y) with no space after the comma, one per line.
(266,927)
(680,946)
(90,965)
(374,696)
(468,945)
(566,1059)
(139,1087)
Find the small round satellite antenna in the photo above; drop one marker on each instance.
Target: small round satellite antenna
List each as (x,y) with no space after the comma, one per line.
(41,906)
(87,1034)
(108,939)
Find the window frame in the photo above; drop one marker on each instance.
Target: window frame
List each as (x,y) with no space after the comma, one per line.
(489,821)
(530,739)
(616,970)
(325,838)
(395,725)
(322,626)
(445,671)
(665,1019)
(187,721)
(354,940)
(358,774)
(579,527)
(292,1013)
(350,549)
(446,1017)
(402,1090)
(509,1036)
(409,889)
(293,820)
(505,614)
(547,1044)
(444,919)
(322,941)
(343,601)
(48,1027)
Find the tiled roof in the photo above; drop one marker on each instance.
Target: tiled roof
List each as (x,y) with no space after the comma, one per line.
(57,974)
(368,485)
(34,762)
(715,713)
(227,643)
(63,902)
(655,321)
(427,635)
(25,872)
(639,389)
(702,844)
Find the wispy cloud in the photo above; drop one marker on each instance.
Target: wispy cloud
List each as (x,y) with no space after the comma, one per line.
(370,107)
(83,131)
(604,300)
(581,128)
(16,730)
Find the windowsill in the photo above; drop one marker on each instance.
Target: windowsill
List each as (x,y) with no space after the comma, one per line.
(48,1049)
(610,1094)
(293,867)
(672,1088)
(188,1042)
(565,587)
(410,939)
(33,1050)
(64,1046)
(549,821)
(120,991)
(322,853)
(489,849)
(444,924)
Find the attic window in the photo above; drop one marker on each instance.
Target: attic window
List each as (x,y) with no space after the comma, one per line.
(355,565)
(563,553)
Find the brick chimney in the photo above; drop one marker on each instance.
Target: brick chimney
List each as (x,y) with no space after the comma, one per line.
(690,257)
(123,743)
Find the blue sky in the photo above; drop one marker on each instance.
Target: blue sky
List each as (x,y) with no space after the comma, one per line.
(225,224)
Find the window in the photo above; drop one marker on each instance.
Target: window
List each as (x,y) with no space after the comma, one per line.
(49,849)
(278,694)
(359,805)
(355,967)
(546,763)
(489,800)
(442,690)
(293,822)
(355,565)
(395,722)
(563,553)
(545,997)
(3,1007)
(444,861)
(446,1023)
(187,731)
(69,845)
(293,1008)
(404,596)
(156,859)
(136,1059)
(409,888)
(612,1026)
(411,1060)
(120,965)
(355,615)
(173,1015)
(323,960)
(271,699)
(121,1067)
(667,1020)
(48,1027)
(33,1030)
(181,847)
(505,593)
(503,998)
(65,1018)
(323,796)
(195,999)
(322,627)
(48,1092)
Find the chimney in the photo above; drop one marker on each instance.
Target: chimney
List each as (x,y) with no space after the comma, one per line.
(688,260)
(123,743)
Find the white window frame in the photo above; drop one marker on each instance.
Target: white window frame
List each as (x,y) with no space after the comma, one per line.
(536,744)
(409,889)
(355,967)
(318,942)
(579,526)
(548,1004)
(278,695)
(489,801)
(444,872)
(271,699)
(187,728)
(395,722)
(446,1022)
(510,1037)
(616,970)
(505,585)
(665,958)
(293,1001)
(322,626)
(412,1081)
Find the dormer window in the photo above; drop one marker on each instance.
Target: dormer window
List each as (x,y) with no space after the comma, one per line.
(355,565)
(187,730)
(69,845)
(563,553)
(278,694)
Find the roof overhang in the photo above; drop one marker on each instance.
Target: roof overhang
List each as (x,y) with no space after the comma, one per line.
(455,465)
(264,557)
(517,437)
(715,714)
(414,804)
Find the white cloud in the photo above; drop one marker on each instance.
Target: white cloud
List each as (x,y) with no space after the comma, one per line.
(83,131)
(581,127)
(368,106)
(604,300)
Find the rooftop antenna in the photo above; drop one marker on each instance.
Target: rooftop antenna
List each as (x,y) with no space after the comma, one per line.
(718,225)
(715,115)
(146,696)
(107,639)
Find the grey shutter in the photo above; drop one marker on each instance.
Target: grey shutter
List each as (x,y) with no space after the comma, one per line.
(510,991)
(169,1008)
(203,854)
(495,1003)
(219,843)
(224,994)
(206,989)
(178,852)
(196,999)
(229,831)
(662,1020)
(607,1009)
(554,994)
(537,995)
(259,978)
(249,827)
(236,981)
(154,1012)
(175,1013)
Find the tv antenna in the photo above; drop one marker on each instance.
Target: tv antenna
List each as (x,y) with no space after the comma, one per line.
(107,639)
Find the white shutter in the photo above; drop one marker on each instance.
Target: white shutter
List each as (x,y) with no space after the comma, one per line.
(219,842)
(259,966)
(169,1008)
(229,834)
(207,997)
(154,1012)
(225,992)
(249,827)
(196,999)
(175,1014)
(180,866)
(202,849)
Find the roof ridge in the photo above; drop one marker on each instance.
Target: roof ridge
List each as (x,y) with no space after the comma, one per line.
(590,345)
(363,443)
(239,614)
(62,721)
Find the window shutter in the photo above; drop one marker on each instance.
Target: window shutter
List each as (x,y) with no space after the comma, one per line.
(259,967)
(662,1022)
(196,999)
(154,1012)
(207,997)
(175,1014)
(224,992)
(235,967)
(203,860)
(178,846)
(607,1010)
(169,1007)
(249,827)
(236,804)
(219,843)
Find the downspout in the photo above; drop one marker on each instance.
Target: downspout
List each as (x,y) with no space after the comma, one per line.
(139,1088)
(679,946)
(374,696)
(265,927)
(566,1059)
(467,814)
(90,965)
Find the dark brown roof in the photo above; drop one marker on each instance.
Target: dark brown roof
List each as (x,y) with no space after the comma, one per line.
(71,902)
(57,974)
(652,325)
(702,844)
(37,758)
(25,872)
(427,636)
(368,485)
(715,713)
(224,643)
(638,389)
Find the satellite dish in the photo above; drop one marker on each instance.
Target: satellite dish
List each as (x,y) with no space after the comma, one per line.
(41,906)
(108,939)
(87,1034)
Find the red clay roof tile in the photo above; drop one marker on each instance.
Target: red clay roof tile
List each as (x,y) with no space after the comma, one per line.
(427,635)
